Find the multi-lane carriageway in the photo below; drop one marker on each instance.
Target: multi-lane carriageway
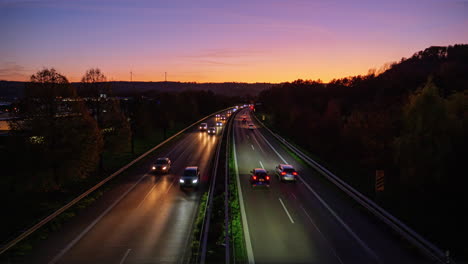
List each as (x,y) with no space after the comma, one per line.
(148,219)
(310,221)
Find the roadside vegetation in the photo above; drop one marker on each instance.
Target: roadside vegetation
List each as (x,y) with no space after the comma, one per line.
(66,139)
(239,252)
(408,119)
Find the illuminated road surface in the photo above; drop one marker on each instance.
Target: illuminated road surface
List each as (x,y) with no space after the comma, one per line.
(145,219)
(307,222)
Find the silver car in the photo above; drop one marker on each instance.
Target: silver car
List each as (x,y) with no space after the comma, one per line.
(286,173)
(203,126)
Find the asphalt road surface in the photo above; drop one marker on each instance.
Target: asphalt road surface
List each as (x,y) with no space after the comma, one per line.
(145,218)
(310,221)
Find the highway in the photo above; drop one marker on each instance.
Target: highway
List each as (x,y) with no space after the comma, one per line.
(145,218)
(310,221)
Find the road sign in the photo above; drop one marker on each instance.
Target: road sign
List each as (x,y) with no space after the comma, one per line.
(379,181)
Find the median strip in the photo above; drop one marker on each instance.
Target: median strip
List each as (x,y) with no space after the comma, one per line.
(245,225)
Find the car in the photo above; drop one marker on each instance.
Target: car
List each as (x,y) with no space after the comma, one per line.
(219,123)
(286,172)
(251,126)
(259,177)
(217,116)
(203,126)
(244,120)
(161,165)
(190,178)
(223,117)
(211,130)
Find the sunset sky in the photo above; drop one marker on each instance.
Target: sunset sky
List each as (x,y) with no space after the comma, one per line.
(218,41)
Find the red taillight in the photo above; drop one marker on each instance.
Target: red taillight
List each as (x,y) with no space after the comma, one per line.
(294,173)
(254,178)
(283,173)
(267,178)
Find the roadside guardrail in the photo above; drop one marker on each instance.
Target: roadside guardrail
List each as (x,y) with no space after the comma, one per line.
(209,202)
(402,229)
(46,220)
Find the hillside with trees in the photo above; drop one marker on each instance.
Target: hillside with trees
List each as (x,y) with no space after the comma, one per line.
(410,121)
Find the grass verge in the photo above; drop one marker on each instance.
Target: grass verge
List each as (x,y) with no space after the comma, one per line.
(197,227)
(239,251)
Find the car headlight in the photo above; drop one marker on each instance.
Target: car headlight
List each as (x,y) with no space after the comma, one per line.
(164,167)
(181,181)
(153,167)
(195,181)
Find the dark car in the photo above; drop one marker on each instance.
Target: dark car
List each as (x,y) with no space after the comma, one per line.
(162,165)
(190,178)
(259,177)
(223,118)
(211,131)
(286,172)
(251,127)
(244,120)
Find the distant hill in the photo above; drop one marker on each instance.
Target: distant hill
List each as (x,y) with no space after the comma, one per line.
(11,89)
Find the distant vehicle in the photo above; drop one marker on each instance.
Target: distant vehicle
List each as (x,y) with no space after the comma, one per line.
(211,130)
(286,172)
(203,126)
(244,120)
(251,127)
(259,177)
(217,115)
(190,178)
(223,117)
(219,123)
(162,165)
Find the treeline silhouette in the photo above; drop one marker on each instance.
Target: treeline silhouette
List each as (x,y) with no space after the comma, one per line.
(63,141)
(410,121)
(12,89)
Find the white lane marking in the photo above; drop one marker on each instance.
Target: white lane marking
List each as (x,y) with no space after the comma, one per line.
(86,230)
(258,143)
(279,155)
(252,147)
(294,196)
(146,196)
(170,186)
(350,231)
(125,256)
(323,236)
(286,210)
(261,164)
(245,225)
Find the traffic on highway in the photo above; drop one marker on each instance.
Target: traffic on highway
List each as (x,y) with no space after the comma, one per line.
(289,213)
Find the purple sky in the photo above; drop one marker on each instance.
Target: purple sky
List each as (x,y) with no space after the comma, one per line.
(216,41)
